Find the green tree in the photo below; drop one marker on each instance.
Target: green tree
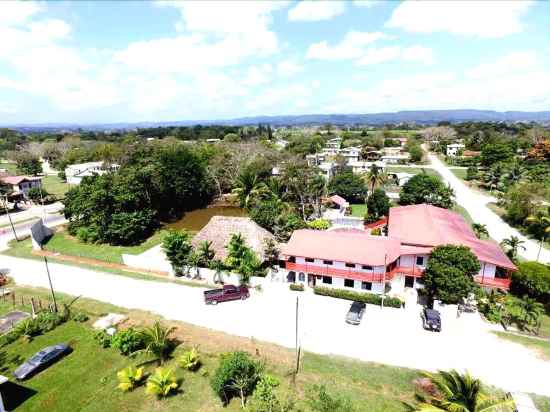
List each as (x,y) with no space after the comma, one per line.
(177,247)
(513,244)
(378,204)
(319,224)
(539,225)
(319,400)
(237,375)
(458,392)
(423,188)
(37,194)
(348,185)
(532,279)
(247,186)
(265,399)
(28,164)
(472,173)
(375,177)
(190,360)
(480,230)
(415,153)
(242,259)
(450,272)
(205,253)
(161,383)
(157,341)
(495,153)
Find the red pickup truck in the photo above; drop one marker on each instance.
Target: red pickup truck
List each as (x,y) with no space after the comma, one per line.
(228,292)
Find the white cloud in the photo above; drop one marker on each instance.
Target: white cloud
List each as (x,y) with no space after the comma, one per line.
(366,3)
(351,47)
(316,10)
(471,18)
(289,68)
(419,54)
(257,75)
(515,62)
(17,12)
(379,55)
(8,108)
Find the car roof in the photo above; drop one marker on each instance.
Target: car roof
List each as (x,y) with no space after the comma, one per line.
(432,312)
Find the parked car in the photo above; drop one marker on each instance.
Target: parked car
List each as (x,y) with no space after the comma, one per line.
(355,313)
(228,292)
(41,360)
(431,320)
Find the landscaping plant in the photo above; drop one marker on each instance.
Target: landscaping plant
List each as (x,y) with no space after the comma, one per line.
(127,341)
(190,360)
(129,378)
(156,341)
(161,382)
(358,296)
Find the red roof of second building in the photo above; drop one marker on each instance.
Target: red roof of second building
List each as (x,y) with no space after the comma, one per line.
(354,247)
(15,180)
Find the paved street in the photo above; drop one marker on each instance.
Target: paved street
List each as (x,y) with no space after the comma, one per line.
(24,229)
(476,205)
(390,336)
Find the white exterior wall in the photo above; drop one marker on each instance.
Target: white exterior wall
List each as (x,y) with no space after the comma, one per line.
(487,270)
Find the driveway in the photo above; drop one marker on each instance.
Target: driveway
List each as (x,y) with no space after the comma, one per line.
(389,336)
(476,205)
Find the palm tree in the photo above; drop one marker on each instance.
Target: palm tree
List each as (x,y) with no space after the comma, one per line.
(375,177)
(513,243)
(480,230)
(217,266)
(161,383)
(194,261)
(129,378)
(205,252)
(532,312)
(157,341)
(541,223)
(460,393)
(247,186)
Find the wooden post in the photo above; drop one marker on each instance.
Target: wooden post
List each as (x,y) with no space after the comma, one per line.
(33,308)
(13,299)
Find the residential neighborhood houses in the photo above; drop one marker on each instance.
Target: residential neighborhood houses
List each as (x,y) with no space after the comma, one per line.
(20,185)
(76,172)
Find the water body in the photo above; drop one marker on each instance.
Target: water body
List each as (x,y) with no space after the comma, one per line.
(197,219)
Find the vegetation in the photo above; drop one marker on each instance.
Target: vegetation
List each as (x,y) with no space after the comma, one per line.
(373,299)
(28,164)
(177,247)
(242,260)
(161,383)
(190,360)
(156,341)
(533,280)
(319,224)
(480,230)
(378,205)
(297,287)
(423,188)
(450,273)
(129,378)
(348,185)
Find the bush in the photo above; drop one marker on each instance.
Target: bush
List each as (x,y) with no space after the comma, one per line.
(320,400)
(161,383)
(532,279)
(129,378)
(237,375)
(80,317)
(376,231)
(298,287)
(358,296)
(319,224)
(103,338)
(190,360)
(127,341)
(49,320)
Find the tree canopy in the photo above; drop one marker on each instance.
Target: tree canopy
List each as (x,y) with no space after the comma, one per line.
(348,185)
(424,188)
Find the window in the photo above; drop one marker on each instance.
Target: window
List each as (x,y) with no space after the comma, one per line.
(366,285)
(292,259)
(366,267)
(420,260)
(327,280)
(310,260)
(327,262)
(350,265)
(349,283)
(301,277)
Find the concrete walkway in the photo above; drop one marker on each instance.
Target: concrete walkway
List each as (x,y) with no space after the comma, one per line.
(476,205)
(389,336)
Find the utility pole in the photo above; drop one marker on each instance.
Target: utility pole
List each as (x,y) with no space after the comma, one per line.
(296,340)
(51,286)
(9,217)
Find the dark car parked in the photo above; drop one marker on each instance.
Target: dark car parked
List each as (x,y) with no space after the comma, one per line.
(355,313)
(41,360)
(228,292)
(431,320)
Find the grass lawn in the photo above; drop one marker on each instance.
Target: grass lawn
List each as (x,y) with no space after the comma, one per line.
(55,186)
(463,212)
(460,173)
(545,327)
(85,380)
(10,167)
(541,346)
(411,170)
(358,210)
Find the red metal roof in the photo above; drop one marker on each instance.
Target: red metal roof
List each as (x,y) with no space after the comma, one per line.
(339,200)
(15,180)
(352,247)
(427,225)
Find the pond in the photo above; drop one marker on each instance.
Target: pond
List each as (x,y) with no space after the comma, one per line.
(197,219)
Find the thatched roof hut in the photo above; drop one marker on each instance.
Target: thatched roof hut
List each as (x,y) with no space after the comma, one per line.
(220,228)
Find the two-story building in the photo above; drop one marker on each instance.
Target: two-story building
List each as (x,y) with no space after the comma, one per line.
(20,185)
(354,259)
(76,172)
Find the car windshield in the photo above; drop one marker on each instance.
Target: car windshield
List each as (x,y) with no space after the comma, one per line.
(36,359)
(432,315)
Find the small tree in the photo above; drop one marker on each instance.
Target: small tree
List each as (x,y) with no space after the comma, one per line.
(423,188)
(37,194)
(157,341)
(177,247)
(533,280)
(28,164)
(218,267)
(378,204)
(271,251)
(320,400)
(190,360)
(205,253)
(161,383)
(480,230)
(513,244)
(450,273)
(237,375)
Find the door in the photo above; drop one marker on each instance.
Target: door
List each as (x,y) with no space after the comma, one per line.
(311,280)
(409,281)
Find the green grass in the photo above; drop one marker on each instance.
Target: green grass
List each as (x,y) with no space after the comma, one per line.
(55,186)
(541,402)
(85,380)
(460,173)
(359,210)
(411,170)
(541,346)
(10,167)
(545,327)
(62,242)
(464,213)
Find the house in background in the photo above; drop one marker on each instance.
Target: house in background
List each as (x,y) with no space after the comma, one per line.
(454,149)
(356,260)
(75,173)
(20,185)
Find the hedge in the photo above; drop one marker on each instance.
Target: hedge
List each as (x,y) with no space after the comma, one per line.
(297,287)
(358,296)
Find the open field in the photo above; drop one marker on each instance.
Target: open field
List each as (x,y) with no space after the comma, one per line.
(411,170)
(358,210)
(55,186)
(369,386)
(460,173)
(10,167)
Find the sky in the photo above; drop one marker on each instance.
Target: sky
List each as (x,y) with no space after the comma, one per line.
(103,62)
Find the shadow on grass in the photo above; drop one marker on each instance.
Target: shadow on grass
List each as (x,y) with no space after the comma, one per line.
(14,395)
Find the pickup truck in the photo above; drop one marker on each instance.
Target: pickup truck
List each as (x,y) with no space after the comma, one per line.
(228,292)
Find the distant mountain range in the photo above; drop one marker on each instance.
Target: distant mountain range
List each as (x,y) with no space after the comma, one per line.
(423,117)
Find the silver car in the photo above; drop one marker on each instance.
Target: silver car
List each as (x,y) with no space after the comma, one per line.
(41,360)
(355,313)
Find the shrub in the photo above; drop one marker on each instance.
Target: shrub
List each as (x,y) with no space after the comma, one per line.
(129,378)
(103,338)
(319,224)
(80,317)
(127,341)
(265,399)
(161,383)
(190,360)
(28,328)
(49,320)
(237,375)
(376,231)
(532,279)
(320,400)
(298,287)
(358,296)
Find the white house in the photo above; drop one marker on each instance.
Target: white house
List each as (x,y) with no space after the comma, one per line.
(75,173)
(454,149)
(20,185)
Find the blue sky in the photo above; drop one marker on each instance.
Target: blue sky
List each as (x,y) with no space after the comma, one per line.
(88,62)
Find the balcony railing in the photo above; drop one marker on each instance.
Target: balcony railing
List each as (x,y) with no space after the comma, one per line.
(493,282)
(349,273)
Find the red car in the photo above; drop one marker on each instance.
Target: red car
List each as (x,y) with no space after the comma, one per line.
(228,292)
